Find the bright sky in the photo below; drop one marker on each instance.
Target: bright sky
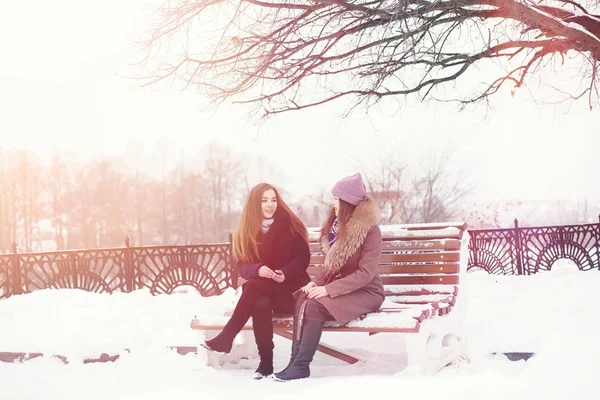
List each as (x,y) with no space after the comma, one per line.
(60,90)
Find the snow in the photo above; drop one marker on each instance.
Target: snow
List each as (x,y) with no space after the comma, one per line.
(570,25)
(578,13)
(553,314)
(402,231)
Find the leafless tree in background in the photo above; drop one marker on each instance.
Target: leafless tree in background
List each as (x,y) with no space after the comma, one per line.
(5,215)
(431,193)
(224,175)
(60,187)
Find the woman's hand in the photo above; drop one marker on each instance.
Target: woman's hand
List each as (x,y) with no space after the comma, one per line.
(266,272)
(279,276)
(307,287)
(317,292)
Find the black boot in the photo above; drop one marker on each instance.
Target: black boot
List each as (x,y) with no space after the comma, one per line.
(297,331)
(265,368)
(221,344)
(312,328)
(262,326)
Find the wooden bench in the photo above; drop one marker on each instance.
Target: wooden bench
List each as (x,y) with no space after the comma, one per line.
(421,267)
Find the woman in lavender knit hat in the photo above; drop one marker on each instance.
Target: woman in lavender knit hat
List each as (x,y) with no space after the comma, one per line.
(348,285)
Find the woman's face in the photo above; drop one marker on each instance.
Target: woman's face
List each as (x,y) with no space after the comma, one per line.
(268,203)
(335,202)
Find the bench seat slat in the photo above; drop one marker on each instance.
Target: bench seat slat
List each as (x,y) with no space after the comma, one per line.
(415,290)
(422,299)
(420,279)
(405,319)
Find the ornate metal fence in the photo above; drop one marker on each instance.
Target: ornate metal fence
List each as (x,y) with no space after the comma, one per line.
(161,269)
(525,251)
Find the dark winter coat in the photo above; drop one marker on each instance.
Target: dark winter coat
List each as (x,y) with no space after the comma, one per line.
(280,249)
(350,268)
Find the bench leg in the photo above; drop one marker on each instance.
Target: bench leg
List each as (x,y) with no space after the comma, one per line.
(435,346)
(243,348)
(416,351)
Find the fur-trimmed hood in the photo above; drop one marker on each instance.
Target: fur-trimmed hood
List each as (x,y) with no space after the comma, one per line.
(364,217)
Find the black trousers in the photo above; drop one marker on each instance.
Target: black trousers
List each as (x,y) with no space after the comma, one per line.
(260,298)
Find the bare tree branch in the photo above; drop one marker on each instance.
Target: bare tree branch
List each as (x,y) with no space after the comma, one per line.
(290,54)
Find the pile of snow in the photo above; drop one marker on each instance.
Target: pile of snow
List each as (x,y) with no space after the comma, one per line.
(552,314)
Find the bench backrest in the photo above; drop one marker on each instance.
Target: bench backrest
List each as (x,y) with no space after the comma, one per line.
(417,259)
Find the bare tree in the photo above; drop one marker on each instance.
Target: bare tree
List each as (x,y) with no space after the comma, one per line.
(436,194)
(500,214)
(276,52)
(223,175)
(60,187)
(5,224)
(564,212)
(427,194)
(29,197)
(387,184)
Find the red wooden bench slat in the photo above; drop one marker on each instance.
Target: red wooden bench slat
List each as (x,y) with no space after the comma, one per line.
(419,269)
(421,245)
(454,235)
(391,244)
(430,226)
(415,292)
(421,257)
(439,256)
(406,269)
(420,279)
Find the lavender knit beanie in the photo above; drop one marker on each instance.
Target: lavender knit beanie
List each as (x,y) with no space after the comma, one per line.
(351,189)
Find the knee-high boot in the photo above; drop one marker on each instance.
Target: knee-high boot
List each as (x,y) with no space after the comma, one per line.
(263,334)
(312,329)
(299,308)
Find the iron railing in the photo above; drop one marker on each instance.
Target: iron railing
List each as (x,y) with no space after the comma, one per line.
(206,267)
(526,251)
(161,269)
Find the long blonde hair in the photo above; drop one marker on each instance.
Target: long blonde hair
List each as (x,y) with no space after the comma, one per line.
(245,237)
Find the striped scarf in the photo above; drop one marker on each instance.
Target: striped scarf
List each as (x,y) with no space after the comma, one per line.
(335,227)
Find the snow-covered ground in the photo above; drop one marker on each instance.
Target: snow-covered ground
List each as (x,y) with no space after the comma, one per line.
(553,314)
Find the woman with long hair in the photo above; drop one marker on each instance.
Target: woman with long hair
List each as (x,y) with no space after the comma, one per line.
(348,285)
(270,246)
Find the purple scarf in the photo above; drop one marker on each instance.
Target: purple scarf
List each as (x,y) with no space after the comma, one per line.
(333,232)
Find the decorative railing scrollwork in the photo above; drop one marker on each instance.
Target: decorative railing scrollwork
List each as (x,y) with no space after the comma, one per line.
(205,267)
(525,251)
(208,268)
(161,269)
(5,275)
